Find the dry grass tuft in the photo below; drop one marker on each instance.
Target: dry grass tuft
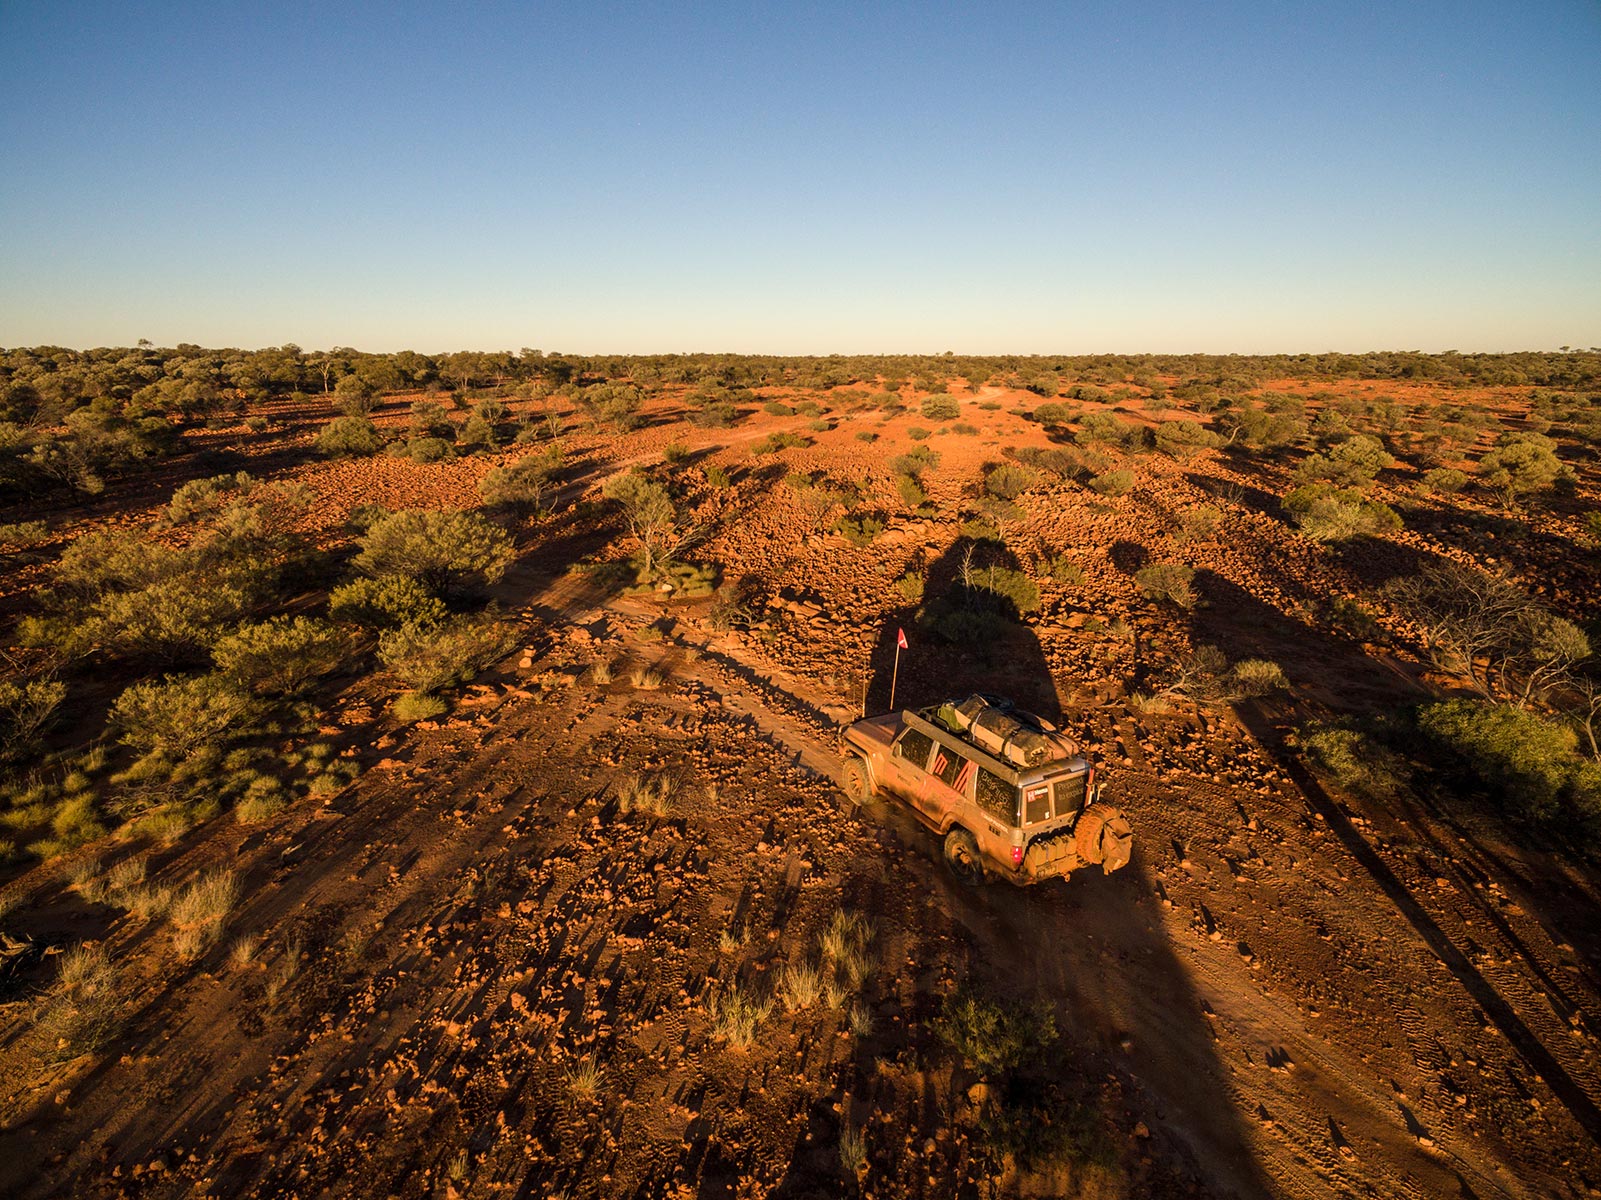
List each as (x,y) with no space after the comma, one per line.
(198,911)
(583,1078)
(78,1015)
(800,986)
(735,1017)
(646,793)
(647,679)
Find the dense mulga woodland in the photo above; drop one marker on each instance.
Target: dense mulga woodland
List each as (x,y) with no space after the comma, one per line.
(160,674)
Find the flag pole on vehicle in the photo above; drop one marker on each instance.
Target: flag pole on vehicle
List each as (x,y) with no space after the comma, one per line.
(900,644)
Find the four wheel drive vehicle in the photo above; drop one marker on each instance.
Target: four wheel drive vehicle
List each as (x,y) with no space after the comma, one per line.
(1008,792)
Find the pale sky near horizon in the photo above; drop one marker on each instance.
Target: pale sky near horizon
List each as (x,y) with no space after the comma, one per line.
(826,178)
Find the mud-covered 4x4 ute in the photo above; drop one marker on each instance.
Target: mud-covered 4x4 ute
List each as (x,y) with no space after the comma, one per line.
(1010,794)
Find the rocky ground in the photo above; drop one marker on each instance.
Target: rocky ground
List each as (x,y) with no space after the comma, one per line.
(487,969)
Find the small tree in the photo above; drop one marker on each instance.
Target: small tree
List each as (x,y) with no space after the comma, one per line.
(430,658)
(651,515)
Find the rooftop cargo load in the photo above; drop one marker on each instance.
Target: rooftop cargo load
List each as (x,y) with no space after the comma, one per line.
(1016,738)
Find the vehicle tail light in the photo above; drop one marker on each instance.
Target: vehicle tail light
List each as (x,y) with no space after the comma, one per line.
(1017,856)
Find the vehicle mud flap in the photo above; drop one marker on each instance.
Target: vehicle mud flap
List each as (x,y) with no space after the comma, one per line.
(1104,837)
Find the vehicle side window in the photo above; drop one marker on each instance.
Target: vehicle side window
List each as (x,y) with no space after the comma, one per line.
(914,747)
(997,797)
(1036,804)
(953,770)
(1070,794)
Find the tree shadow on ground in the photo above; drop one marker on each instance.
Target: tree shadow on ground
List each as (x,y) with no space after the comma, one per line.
(960,639)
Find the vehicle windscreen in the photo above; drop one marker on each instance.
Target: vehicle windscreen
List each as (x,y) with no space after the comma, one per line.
(996,797)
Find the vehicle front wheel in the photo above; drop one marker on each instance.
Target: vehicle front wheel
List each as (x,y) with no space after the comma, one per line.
(961,856)
(854,781)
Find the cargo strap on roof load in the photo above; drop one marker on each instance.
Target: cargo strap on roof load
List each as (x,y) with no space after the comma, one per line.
(1002,734)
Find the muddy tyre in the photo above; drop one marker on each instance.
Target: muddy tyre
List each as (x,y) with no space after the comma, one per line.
(962,857)
(853,781)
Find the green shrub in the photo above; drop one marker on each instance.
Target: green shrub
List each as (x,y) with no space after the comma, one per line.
(866,435)
(1443,479)
(1113,483)
(674,453)
(778,408)
(1522,463)
(24,534)
(1185,439)
(911,586)
(385,603)
(917,433)
(429,450)
(522,486)
(1353,463)
(450,553)
(993,1038)
(775,442)
(282,655)
(180,715)
(1170,582)
(910,490)
(26,709)
(1197,524)
(1529,766)
(717,477)
(915,462)
(861,529)
(1021,592)
(1062,569)
(1328,514)
(429,658)
(1007,482)
(941,408)
(349,437)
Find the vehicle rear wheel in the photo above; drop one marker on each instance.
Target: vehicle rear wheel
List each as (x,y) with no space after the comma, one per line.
(854,781)
(961,856)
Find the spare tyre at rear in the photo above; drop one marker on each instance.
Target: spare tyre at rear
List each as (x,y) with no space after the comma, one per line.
(1104,837)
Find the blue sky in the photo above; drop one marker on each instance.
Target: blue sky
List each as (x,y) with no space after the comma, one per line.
(790,178)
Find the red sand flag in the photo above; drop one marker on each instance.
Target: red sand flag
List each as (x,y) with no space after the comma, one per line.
(900,639)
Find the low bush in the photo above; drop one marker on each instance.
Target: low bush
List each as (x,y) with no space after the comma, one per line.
(993,1038)
(416,706)
(178,715)
(349,437)
(430,658)
(1530,765)
(283,655)
(385,603)
(911,586)
(26,710)
(449,553)
(523,485)
(773,443)
(861,529)
(918,434)
(79,1013)
(1328,514)
(1172,583)
(1008,482)
(1113,483)
(941,408)
(429,450)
